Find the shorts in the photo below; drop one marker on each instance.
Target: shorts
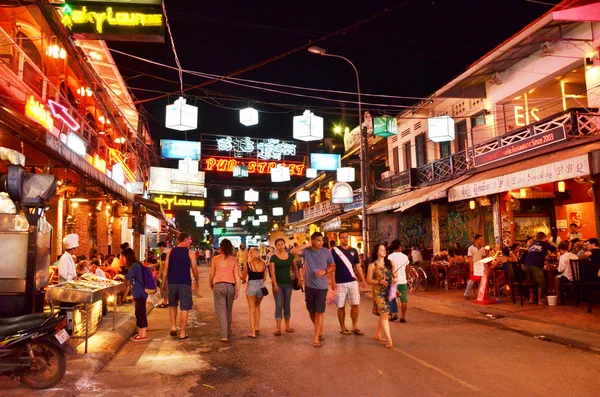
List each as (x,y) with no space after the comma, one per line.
(347,293)
(255,288)
(403,289)
(182,294)
(315,299)
(536,274)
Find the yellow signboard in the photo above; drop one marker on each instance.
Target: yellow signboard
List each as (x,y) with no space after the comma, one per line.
(37,112)
(175,201)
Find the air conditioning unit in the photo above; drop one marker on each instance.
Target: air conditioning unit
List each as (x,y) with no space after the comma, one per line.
(385,175)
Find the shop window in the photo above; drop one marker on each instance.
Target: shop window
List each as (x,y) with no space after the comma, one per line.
(478,119)
(445,150)
(407,155)
(396,159)
(30,76)
(421,150)
(461,136)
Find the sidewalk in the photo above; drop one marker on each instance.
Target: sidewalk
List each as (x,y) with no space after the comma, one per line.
(81,368)
(568,325)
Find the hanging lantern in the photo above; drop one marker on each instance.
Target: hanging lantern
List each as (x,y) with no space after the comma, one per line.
(385,126)
(308,127)
(251,195)
(346,174)
(219,218)
(440,129)
(258,211)
(274,195)
(181,117)
(263,218)
(249,116)
(280,174)
(256,223)
(561,186)
(311,173)
(472,204)
(522,193)
(303,196)
(227,192)
(277,211)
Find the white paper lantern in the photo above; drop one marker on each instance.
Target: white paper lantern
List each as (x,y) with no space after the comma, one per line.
(249,116)
(256,223)
(258,211)
(236,214)
(227,192)
(345,174)
(280,174)
(219,218)
(311,173)
(277,211)
(440,129)
(251,195)
(181,117)
(303,196)
(229,224)
(308,127)
(274,195)
(263,218)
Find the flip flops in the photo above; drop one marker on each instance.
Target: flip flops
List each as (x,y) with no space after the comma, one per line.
(173,333)
(290,330)
(358,332)
(162,306)
(137,338)
(222,339)
(345,332)
(185,337)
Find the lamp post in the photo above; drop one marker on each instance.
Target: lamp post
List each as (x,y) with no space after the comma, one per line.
(363,147)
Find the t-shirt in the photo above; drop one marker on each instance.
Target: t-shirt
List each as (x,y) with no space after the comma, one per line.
(537,252)
(476,253)
(242,256)
(399,262)
(316,260)
(100,273)
(575,235)
(136,277)
(342,274)
(594,265)
(416,256)
(283,269)
(564,265)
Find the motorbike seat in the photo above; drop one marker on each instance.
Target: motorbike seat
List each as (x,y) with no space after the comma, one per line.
(12,325)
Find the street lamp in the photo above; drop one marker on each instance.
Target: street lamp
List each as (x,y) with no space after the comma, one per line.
(363,146)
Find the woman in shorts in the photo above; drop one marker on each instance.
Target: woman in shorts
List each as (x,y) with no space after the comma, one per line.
(254,273)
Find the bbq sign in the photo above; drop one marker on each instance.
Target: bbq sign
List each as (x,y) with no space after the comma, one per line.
(537,141)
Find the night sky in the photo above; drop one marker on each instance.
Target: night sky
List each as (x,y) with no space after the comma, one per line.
(411,51)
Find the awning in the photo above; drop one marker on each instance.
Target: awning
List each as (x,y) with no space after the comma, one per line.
(428,193)
(152,208)
(411,198)
(552,167)
(306,222)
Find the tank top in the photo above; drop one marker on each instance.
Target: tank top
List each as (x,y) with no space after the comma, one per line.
(179,266)
(224,269)
(252,275)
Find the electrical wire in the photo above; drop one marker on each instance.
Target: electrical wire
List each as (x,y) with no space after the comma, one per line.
(173,45)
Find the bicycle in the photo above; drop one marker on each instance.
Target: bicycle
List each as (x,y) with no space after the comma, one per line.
(416,279)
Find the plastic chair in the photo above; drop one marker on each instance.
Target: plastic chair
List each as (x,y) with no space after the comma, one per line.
(519,280)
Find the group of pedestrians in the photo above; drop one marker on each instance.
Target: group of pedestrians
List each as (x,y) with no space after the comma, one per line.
(326,276)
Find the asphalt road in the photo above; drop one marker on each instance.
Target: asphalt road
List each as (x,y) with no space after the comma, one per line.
(434,355)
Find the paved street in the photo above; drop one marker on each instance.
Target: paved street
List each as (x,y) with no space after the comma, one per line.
(435,355)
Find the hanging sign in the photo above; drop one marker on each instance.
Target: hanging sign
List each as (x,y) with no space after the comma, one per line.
(176,201)
(174,149)
(254,167)
(76,144)
(121,22)
(60,112)
(341,193)
(264,149)
(37,112)
(385,126)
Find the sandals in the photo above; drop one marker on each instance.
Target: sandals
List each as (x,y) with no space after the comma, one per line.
(317,344)
(137,338)
(358,332)
(346,332)
(290,330)
(173,333)
(185,337)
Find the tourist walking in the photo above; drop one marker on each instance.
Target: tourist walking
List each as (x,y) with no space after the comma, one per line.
(401,265)
(318,271)
(347,267)
(381,275)
(224,280)
(180,260)
(242,256)
(475,253)
(282,266)
(254,273)
(135,276)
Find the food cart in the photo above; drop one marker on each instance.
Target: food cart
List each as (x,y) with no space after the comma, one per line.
(88,292)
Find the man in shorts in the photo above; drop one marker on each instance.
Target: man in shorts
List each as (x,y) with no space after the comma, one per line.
(180,260)
(401,266)
(347,267)
(318,269)
(534,263)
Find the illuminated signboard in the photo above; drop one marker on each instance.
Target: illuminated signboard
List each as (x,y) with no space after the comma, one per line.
(37,112)
(254,167)
(114,22)
(175,201)
(171,181)
(173,149)
(117,174)
(264,149)
(325,161)
(61,112)
(76,144)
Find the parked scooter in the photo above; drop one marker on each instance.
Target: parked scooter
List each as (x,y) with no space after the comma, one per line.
(32,349)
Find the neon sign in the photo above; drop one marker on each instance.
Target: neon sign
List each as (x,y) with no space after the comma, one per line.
(268,149)
(175,201)
(60,112)
(37,112)
(254,167)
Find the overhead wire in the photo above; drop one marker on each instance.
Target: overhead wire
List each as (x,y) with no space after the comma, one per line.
(164,8)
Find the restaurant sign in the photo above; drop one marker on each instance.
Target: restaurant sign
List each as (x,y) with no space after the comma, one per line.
(320,209)
(537,141)
(254,167)
(548,173)
(264,149)
(171,202)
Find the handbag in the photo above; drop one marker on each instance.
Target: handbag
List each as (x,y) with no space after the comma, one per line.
(264,291)
(295,284)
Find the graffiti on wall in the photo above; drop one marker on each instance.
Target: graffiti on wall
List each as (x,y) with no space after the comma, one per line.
(387,228)
(463,226)
(414,229)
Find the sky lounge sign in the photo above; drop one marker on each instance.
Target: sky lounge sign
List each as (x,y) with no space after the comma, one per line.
(537,141)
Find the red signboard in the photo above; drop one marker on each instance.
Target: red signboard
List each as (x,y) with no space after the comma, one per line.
(537,141)
(254,167)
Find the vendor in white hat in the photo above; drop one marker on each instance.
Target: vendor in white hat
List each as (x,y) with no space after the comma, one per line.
(67,270)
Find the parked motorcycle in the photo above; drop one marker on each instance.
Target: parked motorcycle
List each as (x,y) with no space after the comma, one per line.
(32,349)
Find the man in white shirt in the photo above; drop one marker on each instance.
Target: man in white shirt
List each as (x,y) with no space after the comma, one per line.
(67,270)
(95,270)
(416,255)
(574,234)
(564,266)
(401,266)
(475,253)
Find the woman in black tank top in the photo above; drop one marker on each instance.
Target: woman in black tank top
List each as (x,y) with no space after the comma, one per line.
(254,272)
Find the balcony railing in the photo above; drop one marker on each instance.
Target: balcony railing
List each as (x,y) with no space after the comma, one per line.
(576,122)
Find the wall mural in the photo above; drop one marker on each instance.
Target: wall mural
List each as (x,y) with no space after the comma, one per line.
(387,228)
(463,225)
(414,228)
